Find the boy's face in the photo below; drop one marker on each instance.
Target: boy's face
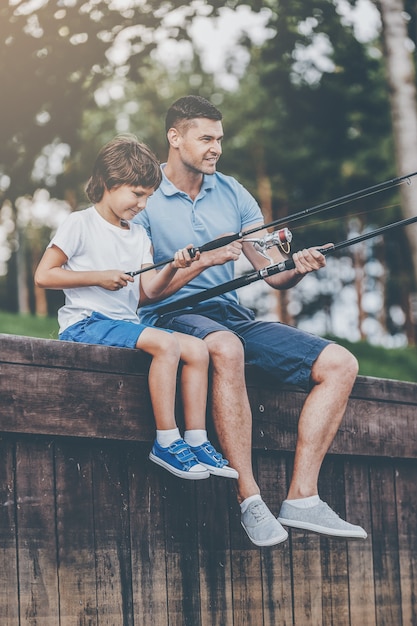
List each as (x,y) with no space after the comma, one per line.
(125,202)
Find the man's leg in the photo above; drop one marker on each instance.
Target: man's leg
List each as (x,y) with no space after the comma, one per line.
(300,359)
(232,415)
(333,374)
(232,419)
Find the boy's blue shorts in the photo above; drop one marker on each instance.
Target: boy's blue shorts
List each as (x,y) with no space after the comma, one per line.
(285,352)
(102,330)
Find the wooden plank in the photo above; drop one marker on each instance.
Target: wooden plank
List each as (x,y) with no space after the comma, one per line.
(215,497)
(37,557)
(307,576)
(9,600)
(405,490)
(181,535)
(246,573)
(56,401)
(389,429)
(306,573)
(147,494)
(372,427)
(385,545)
(54,353)
(384,389)
(69,355)
(276,561)
(334,550)
(361,567)
(75,520)
(111,533)
(51,387)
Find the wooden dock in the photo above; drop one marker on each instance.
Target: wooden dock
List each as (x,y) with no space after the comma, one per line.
(92,533)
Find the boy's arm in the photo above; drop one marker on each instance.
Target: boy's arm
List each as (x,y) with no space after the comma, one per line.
(155,285)
(51,275)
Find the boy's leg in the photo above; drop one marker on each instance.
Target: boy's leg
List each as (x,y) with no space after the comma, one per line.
(194,387)
(194,380)
(175,456)
(165,351)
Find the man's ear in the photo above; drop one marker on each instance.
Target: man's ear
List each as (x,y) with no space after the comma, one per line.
(173,137)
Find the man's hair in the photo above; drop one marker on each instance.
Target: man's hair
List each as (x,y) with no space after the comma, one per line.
(123,161)
(190,108)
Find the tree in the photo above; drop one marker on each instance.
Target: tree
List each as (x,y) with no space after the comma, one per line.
(401,78)
(318,136)
(53,58)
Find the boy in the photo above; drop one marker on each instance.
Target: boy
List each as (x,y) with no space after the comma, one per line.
(101,302)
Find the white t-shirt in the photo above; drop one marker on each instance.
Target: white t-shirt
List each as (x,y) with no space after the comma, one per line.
(92,243)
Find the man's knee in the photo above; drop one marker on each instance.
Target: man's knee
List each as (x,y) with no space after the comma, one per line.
(225,348)
(336,362)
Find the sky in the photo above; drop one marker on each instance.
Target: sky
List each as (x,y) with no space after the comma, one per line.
(218,38)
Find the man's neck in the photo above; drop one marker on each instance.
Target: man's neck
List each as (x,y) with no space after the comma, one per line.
(185,180)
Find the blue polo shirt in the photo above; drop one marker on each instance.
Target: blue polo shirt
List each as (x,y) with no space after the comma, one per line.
(173,220)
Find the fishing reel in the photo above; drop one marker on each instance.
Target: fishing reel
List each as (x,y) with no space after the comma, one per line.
(281,238)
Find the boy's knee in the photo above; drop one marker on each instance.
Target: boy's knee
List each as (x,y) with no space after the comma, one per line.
(198,351)
(170,345)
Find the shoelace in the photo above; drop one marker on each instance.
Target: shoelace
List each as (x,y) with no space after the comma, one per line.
(259,511)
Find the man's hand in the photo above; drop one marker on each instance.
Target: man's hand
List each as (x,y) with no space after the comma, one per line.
(219,256)
(309,260)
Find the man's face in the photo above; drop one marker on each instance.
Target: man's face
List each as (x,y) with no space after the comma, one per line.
(199,145)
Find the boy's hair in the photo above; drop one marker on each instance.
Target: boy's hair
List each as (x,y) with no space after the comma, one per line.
(189,108)
(123,161)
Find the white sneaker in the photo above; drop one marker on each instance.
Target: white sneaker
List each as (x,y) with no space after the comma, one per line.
(262,528)
(320,519)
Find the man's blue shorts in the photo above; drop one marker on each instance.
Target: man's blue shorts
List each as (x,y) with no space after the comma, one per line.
(285,352)
(102,330)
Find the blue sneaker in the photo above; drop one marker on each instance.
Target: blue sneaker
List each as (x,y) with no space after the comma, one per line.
(179,460)
(213,460)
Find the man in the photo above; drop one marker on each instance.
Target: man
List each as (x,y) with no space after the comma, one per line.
(197,204)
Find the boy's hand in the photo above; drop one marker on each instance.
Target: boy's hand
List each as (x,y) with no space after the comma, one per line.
(113,280)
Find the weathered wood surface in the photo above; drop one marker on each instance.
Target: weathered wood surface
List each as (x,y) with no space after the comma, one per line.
(92,533)
(51,387)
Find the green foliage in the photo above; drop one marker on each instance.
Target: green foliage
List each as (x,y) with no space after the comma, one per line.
(394,363)
(28,325)
(52,60)
(309,132)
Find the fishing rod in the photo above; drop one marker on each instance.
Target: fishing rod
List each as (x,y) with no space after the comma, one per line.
(270,270)
(325,206)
